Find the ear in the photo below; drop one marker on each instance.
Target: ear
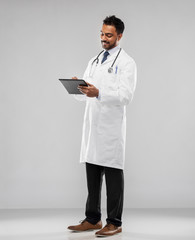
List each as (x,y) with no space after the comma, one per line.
(119,36)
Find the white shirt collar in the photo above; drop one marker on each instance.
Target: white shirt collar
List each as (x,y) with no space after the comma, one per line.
(113,50)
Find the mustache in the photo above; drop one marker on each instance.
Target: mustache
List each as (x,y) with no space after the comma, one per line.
(104,42)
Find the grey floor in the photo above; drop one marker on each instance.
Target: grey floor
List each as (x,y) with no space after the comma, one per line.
(138,224)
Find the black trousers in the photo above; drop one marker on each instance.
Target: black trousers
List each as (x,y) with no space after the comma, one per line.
(114,189)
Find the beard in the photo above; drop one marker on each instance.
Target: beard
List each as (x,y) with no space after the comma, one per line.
(106,45)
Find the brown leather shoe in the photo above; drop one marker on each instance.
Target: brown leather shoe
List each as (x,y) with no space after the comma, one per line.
(85,226)
(109,230)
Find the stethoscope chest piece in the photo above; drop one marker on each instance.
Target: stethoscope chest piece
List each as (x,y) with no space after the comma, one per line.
(110,69)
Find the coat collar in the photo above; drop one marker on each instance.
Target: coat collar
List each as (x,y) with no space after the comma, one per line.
(112,54)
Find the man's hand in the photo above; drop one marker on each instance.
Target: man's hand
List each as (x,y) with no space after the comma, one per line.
(90,90)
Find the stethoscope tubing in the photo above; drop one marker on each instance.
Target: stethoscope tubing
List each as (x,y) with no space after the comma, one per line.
(116,58)
(97,58)
(110,69)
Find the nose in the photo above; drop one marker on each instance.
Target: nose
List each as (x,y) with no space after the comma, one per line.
(103,38)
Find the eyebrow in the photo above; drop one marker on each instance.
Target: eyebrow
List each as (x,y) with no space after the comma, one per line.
(106,33)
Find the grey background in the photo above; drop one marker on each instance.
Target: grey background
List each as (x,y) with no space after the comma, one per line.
(40,124)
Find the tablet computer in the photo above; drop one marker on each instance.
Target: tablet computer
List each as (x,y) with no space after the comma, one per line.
(72,84)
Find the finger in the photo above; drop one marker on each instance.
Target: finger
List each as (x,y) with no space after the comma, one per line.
(89,83)
(84,91)
(82,87)
(81,91)
(74,78)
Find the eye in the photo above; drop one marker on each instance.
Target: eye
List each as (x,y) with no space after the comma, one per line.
(109,35)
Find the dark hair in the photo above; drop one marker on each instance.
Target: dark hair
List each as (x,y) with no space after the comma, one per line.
(116,22)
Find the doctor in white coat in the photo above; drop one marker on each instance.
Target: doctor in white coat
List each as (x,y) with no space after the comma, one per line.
(111,78)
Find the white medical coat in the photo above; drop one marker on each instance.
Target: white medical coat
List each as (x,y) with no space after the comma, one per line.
(104,125)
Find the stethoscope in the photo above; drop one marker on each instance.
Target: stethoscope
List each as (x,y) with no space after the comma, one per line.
(110,69)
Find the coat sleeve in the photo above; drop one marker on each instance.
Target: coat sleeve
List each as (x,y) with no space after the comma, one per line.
(127,83)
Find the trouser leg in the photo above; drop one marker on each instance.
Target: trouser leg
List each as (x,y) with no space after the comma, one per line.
(115,194)
(94,183)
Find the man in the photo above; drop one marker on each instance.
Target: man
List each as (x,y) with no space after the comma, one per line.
(111,79)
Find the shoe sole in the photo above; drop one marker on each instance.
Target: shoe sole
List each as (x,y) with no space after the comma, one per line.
(102,235)
(89,230)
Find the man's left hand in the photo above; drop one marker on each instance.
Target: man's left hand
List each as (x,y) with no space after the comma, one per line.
(90,90)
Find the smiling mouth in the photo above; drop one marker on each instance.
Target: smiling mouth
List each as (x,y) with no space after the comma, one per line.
(105,42)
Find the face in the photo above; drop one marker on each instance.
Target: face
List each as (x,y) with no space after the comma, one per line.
(109,37)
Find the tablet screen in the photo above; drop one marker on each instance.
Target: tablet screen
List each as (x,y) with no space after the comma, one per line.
(72,84)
